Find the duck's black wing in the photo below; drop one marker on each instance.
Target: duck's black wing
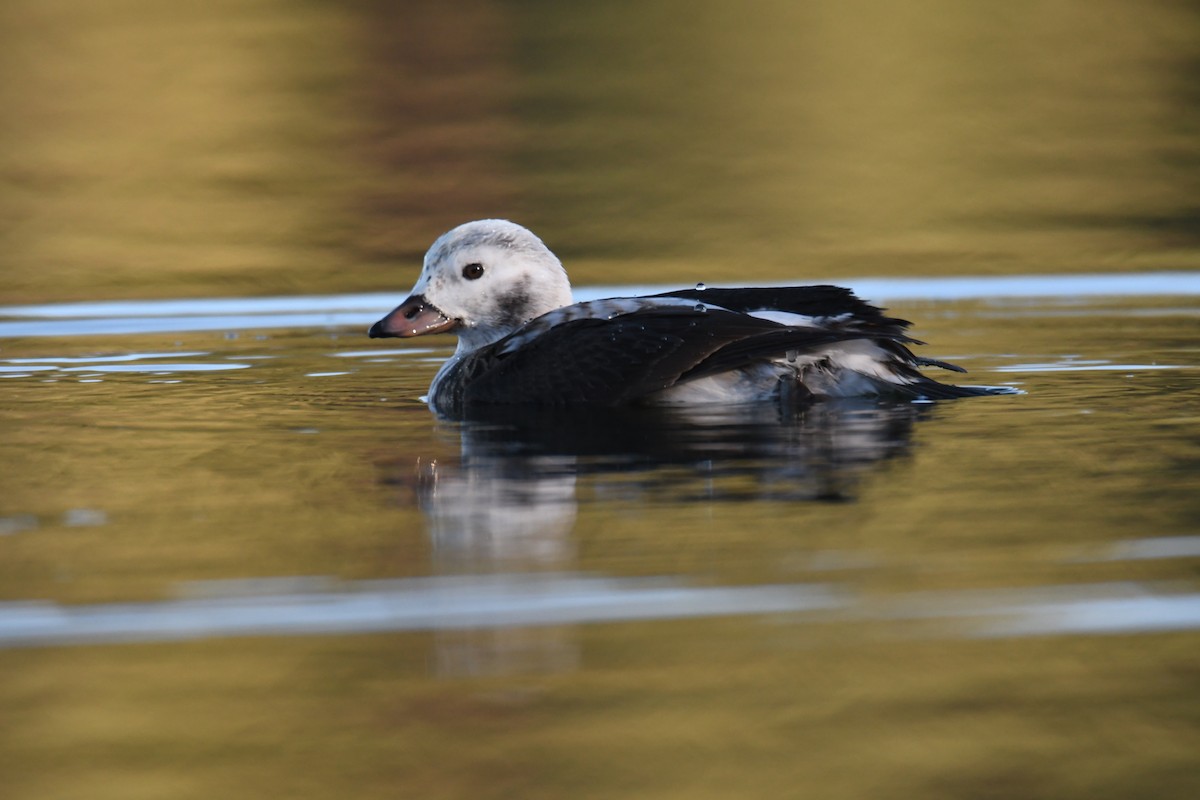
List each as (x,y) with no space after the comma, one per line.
(834,306)
(617,361)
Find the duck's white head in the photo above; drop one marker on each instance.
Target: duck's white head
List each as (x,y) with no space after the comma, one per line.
(482,280)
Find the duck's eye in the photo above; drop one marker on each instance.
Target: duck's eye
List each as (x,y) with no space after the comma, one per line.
(473,272)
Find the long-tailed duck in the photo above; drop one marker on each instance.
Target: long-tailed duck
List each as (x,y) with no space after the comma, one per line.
(522,339)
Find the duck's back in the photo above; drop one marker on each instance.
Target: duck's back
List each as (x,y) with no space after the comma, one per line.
(695,346)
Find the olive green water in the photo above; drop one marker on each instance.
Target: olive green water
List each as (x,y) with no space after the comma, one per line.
(238,556)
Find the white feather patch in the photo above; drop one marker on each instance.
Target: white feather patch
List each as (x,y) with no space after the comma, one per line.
(866,358)
(789,318)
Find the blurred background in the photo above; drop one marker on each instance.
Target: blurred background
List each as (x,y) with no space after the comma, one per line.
(239,557)
(245,147)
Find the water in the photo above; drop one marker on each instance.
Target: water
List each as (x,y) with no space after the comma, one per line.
(239,556)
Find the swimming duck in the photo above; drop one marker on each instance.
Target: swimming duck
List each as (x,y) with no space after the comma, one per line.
(523,340)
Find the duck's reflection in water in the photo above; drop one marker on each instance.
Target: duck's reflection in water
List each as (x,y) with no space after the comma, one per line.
(510,503)
(494,512)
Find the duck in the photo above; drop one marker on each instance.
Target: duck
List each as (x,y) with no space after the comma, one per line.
(524,341)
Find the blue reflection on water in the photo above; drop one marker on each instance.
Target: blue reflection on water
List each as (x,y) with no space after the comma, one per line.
(308,606)
(448,603)
(161,316)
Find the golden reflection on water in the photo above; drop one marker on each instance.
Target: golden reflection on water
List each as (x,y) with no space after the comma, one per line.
(272,147)
(154,148)
(867,137)
(686,715)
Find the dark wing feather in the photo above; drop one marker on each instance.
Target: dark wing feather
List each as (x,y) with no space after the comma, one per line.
(583,362)
(811,301)
(612,362)
(775,343)
(833,302)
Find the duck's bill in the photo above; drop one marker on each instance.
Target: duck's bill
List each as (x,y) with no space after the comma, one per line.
(414,317)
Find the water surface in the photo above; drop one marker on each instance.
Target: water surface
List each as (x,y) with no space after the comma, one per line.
(279,485)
